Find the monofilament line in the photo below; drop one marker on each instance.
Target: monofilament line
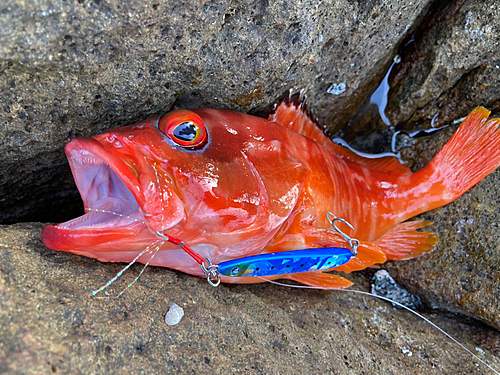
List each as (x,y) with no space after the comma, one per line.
(146,250)
(111,212)
(397,304)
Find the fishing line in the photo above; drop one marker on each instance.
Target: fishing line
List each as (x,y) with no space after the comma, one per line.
(146,250)
(395,303)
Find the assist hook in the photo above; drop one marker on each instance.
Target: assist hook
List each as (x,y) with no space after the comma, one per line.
(353,242)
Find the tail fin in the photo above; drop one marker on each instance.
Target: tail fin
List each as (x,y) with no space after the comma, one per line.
(470,155)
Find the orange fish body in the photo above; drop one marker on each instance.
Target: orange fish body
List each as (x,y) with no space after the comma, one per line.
(232,185)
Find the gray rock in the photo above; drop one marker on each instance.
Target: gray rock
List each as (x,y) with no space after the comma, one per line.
(49,322)
(382,284)
(77,68)
(449,65)
(452,66)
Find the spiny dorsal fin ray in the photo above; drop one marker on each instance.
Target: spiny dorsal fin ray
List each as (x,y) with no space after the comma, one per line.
(292,113)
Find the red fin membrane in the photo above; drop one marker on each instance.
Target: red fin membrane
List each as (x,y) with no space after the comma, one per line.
(470,155)
(368,254)
(404,242)
(320,280)
(292,114)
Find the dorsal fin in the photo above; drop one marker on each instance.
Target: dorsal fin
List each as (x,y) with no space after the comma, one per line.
(292,113)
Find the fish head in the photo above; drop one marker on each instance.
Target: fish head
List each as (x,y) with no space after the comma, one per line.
(213,178)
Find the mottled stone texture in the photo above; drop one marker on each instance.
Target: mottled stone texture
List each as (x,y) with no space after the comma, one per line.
(77,67)
(449,65)
(463,273)
(49,323)
(452,66)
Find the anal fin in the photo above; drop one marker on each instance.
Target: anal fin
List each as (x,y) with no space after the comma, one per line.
(369,254)
(404,241)
(319,280)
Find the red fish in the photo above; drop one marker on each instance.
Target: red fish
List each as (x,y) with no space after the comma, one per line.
(232,185)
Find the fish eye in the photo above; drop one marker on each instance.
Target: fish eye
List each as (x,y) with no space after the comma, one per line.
(185,128)
(186,132)
(235,271)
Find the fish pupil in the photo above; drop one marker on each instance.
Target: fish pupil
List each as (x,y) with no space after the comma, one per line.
(186,131)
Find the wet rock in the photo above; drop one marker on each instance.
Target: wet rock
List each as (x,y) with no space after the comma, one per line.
(462,274)
(76,68)
(382,284)
(50,323)
(447,67)
(451,66)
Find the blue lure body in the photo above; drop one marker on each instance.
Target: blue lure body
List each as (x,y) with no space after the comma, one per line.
(285,262)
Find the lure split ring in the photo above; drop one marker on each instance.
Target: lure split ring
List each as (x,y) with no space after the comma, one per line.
(211,272)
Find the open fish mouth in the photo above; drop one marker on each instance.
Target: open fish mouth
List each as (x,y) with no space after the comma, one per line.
(112,197)
(123,196)
(105,183)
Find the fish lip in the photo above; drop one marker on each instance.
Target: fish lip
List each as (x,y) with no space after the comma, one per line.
(109,188)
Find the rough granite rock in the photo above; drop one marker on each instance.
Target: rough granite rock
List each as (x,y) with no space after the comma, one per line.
(76,68)
(49,323)
(452,66)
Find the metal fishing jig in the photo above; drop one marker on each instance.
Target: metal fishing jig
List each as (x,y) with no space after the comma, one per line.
(285,262)
(275,264)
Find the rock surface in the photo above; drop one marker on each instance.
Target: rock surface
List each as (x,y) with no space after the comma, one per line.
(77,68)
(49,323)
(449,66)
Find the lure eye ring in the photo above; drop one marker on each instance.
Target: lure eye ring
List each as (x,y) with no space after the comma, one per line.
(184,129)
(235,271)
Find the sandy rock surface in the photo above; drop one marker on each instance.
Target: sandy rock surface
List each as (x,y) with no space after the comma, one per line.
(49,323)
